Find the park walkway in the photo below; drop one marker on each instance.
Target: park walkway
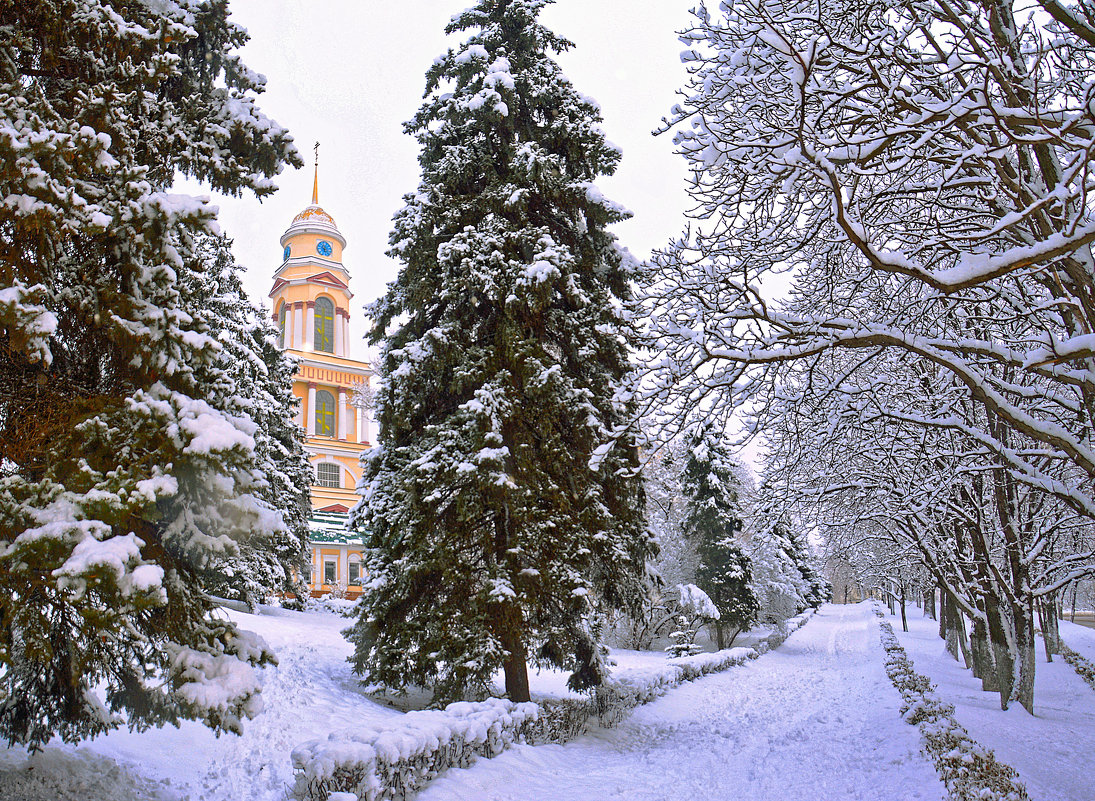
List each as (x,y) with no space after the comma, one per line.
(815,719)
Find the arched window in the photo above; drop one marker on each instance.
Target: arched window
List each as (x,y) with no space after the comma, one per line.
(328,475)
(355,570)
(325,325)
(325,413)
(281,325)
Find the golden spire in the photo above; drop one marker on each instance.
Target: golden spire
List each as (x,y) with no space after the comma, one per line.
(315,180)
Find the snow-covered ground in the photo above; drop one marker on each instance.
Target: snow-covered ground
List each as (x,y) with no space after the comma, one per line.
(1054,751)
(815,719)
(310,693)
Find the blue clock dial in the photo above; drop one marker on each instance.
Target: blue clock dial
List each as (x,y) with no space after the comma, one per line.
(285,253)
(323,247)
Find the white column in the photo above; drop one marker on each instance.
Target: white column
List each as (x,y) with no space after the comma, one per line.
(309,327)
(365,436)
(287,340)
(343,414)
(357,424)
(298,326)
(310,412)
(339,339)
(346,334)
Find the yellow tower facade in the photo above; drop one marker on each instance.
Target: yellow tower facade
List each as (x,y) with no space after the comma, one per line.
(310,300)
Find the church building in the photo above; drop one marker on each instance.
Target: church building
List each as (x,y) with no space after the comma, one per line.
(310,299)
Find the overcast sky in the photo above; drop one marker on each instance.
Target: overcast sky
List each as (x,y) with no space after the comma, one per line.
(349,73)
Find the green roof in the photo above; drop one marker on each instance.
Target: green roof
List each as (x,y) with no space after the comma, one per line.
(330,528)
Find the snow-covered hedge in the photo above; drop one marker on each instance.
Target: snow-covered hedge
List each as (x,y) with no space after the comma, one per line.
(394,763)
(337,606)
(397,762)
(1083,667)
(970,771)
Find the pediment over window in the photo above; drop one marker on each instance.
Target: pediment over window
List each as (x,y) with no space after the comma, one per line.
(328,278)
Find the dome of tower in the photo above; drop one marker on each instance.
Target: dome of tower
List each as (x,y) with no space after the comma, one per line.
(313,220)
(314,212)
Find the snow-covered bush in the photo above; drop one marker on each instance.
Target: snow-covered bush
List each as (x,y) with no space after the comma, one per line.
(397,762)
(970,771)
(694,609)
(331,603)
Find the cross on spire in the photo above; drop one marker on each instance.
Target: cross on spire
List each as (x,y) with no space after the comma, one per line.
(315,180)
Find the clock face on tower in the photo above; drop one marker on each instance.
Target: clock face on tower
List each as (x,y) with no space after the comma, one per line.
(323,247)
(285,253)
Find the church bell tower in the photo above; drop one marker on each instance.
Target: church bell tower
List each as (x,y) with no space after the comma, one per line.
(310,299)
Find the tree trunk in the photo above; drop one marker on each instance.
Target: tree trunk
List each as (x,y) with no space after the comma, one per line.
(1072,614)
(515,666)
(950,634)
(1040,608)
(983,666)
(942,613)
(1001,651)
(956,633)
(929,602)
(733,637)
(719,639)
(904,620)
(1023,691)
(1051,632)
(963,640)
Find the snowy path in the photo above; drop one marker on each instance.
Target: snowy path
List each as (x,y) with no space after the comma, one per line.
(816,719)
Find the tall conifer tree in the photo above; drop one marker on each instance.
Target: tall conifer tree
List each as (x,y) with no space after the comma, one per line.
(497,540)
(779,584)
(255,376)
(712,519)
(126,463)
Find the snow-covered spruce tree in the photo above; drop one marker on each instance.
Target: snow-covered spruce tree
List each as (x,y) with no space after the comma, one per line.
(256,376)
(676,560)
(778,584)
(818,590)
(501,528)
(124,467)
(663,476)
(712,519)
